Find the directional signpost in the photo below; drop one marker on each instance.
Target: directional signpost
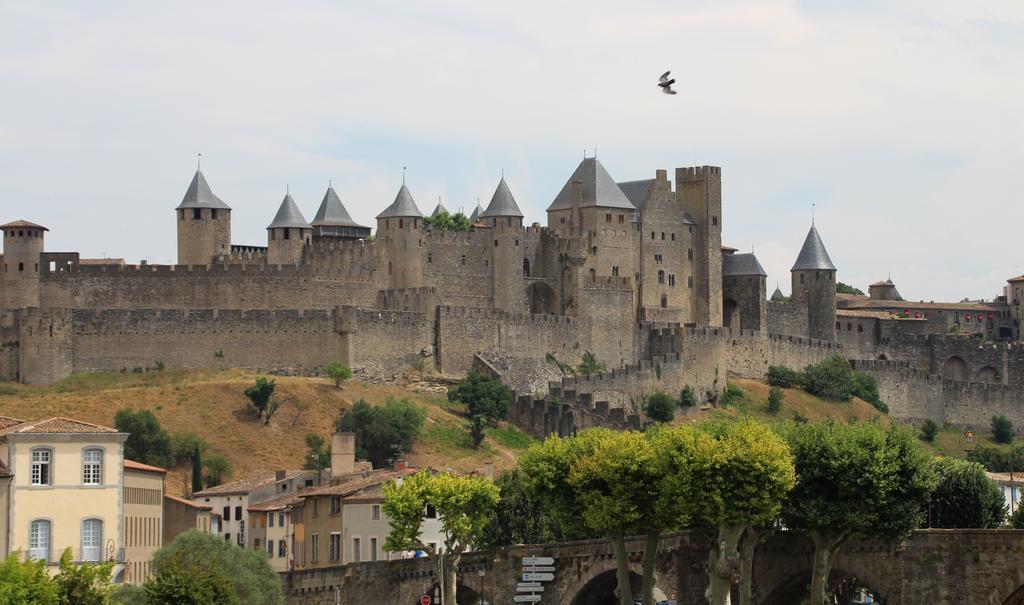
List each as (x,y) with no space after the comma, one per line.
(536,571)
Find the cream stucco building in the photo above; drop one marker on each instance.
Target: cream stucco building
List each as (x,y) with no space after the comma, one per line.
(66,490)
(143,518)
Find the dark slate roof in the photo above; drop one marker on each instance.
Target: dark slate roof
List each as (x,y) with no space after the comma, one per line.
(502,202)
(288,215)
(884,282)
(22,225)
(637,191)
(598,189)
(777,295)
(199,195)
(403,205)
(813,255)
(742,264)
(476,213)
(439,209)
(332,212)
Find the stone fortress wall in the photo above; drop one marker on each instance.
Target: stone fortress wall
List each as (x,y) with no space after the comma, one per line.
(633,272)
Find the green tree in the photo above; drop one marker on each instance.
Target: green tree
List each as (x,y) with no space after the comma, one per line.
(929,429)
(379,429)
(463,505)
(147,442)
(842,288)
(589,364)
(781,376)
(128,594)
(216,470)
(964,497)
(866,387)
(318,454)
(483,396)
(829,379)
(260,393)
(195,554)
(197,471)
(447,222)
(85,584)
(184,445)
(1002,429)
(1017,519)
(181,583)
(26,582)
(660,407)
(521,517)
(775,398)
(998,460)
(854,479)
(339,372)
(741,474)
(687,398)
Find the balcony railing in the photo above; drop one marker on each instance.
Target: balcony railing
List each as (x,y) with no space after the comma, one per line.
(78,555)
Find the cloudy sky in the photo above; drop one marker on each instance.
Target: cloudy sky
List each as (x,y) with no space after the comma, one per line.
(902,121)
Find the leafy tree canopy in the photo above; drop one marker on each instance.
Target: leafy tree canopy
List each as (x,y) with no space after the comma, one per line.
(1002,429)
(842,288)
(483,396)
(660,407)
(379,428)
(210,561)
(965,497)
(521,517)
(147,442)
(339,372)
(447,222)
(26,582)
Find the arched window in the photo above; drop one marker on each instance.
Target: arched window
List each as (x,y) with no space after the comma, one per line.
(593,275)
(42,466)
(661,277)
(92,539)
(526,267)
(92,466)
(39,540)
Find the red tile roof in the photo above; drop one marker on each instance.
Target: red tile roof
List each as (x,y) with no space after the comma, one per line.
(56,424)
(354,486)
(7,422)
(138,466)
(187,502)
(25,224)
(1016,279)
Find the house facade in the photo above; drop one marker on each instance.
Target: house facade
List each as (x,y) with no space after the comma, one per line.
(143,518)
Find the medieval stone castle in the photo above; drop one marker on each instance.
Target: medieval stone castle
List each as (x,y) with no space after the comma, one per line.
(634,272)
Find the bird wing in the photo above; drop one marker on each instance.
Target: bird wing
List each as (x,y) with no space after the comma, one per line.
(664,76)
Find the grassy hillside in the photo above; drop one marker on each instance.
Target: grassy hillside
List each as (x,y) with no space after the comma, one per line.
(795,402)
(211,404)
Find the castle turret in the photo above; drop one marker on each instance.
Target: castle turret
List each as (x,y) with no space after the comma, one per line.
(204,224)
(506,221)
(700,189)
(814,286)
(744,292)
(883,290)
(439,209)
(23,243)
(398,226)
(476,213)
(333,220)
(777,295)
(288,234)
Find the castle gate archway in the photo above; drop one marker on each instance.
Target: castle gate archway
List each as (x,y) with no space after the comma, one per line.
(731,314)
(955,368)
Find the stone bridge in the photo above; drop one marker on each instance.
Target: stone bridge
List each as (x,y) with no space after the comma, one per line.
(933,567)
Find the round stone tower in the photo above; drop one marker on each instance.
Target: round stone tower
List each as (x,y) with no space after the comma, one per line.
(288,234)
(814,286)
(23,243)
(204,224)
(505,220)
(398,227)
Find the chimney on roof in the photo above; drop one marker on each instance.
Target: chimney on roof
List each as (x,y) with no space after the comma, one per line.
(279,475)
(343,454)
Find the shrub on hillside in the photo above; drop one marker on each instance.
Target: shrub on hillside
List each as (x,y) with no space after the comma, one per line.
(660,407)
(731,394)
(781,376)
(483,396)
(775,397)
(216,470)
(830,379)
(1002,429)
(339,372)
(259,395)
(378,428)
(929,429)
(147,442)
(998,460)
(687,398)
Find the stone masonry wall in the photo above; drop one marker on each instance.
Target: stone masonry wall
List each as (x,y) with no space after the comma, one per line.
(787,318)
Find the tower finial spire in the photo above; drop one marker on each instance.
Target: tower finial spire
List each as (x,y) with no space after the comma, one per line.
(403,175)
(287,190)
(199,161)
(330,182)
(812,214)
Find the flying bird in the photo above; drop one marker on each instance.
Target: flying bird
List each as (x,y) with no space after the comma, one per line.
(666,84)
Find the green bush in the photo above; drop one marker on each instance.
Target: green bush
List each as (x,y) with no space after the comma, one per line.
(26,582)
(775,397)
(184,446)
(147,442)
(589,364)
(446,222)
(781,376)
(339,372)
(660,407)
(378,428)
(964,497)
(85,584)
(216,470)
(830,379)
(866,387)
(799,418)
(483,396)
(998,460)
(260,393)
(1002,429)
(1017,520)
(732,394)
(687,398)
(929,429)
